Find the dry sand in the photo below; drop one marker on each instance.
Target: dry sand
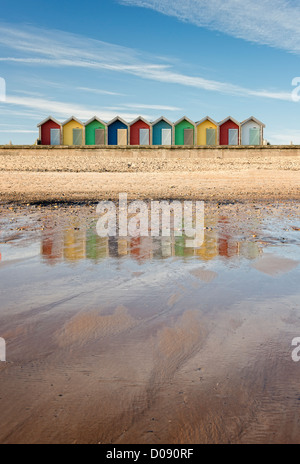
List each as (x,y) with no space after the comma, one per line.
(43,178)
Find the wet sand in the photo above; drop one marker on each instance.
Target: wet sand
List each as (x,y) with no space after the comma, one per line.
(46,178)
(144,341)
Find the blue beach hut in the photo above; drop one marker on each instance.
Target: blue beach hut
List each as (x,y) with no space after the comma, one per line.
(118,132)
(162,132)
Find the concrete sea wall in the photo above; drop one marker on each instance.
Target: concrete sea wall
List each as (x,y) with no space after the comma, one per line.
(180,152)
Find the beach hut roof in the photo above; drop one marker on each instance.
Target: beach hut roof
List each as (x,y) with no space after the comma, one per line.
(50,118)
(118,118)
(72,118)
(207,118)
(162,118)
(252,118)
(184,119)
(140,118)
(230,118)
(95,118)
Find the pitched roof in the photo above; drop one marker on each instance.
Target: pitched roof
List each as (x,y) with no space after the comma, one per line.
(140,118)
(207,118)
(252,118)
(72,118)
(50,118)
(229,119)
(162,118)
(95,118)
(117,118)
(184,119)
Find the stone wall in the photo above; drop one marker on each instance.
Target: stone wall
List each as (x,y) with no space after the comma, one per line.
(174,152)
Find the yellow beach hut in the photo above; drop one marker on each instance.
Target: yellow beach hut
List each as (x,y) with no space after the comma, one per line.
(207,132)
(73,132)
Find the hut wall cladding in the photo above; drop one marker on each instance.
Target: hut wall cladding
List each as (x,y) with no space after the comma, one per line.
(224,131)
(246,133)
(135,132)
(179,131)
(46,131)
(157,132)
(202,132)
(68,134)
(113,131)
(90,132)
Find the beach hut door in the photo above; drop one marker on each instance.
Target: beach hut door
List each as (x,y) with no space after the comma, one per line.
(188,137)
(144,137)
(77,136)
(166,137)
(55,136)
(254,136)
(122,136)
(210,136)
(100,137)
(233,136)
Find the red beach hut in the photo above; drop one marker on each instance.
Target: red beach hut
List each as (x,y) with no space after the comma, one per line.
(50,131)
(229,132)
(140,132)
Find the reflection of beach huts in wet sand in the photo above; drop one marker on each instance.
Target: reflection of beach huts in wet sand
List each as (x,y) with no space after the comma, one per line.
(229,132)
(74,244)
(228,246)
(209,248)
(118,132)
(162,132)
(73,132)
(122,247)
(252,132)
(95,132)
(52,247)
(140,132)
(96,247)
(184,130)
(249,250)
(50,131)
(138,248)
(207,132)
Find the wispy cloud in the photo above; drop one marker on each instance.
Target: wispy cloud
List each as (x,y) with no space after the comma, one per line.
(18,131)
(153,107)
(269,22)
(70,50)
(64,110)
(288,137)
(17,112)
(100,91)
(30,93)
(137,106)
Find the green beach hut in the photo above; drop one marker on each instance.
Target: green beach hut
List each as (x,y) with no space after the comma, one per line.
(95,132)
(185,131)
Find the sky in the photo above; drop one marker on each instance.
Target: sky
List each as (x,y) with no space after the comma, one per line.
(150,58)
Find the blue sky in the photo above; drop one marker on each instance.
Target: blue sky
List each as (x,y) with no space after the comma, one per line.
(149,58)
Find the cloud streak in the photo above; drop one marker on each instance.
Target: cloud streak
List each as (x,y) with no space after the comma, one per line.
(64,110)
(100,91)
(269,22)
(70,50)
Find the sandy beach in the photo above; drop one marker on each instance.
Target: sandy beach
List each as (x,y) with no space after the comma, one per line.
(150,225)
(64,178)
(144,341)
(128,341)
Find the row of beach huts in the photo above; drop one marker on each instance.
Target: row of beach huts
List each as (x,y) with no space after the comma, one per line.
(141,132)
